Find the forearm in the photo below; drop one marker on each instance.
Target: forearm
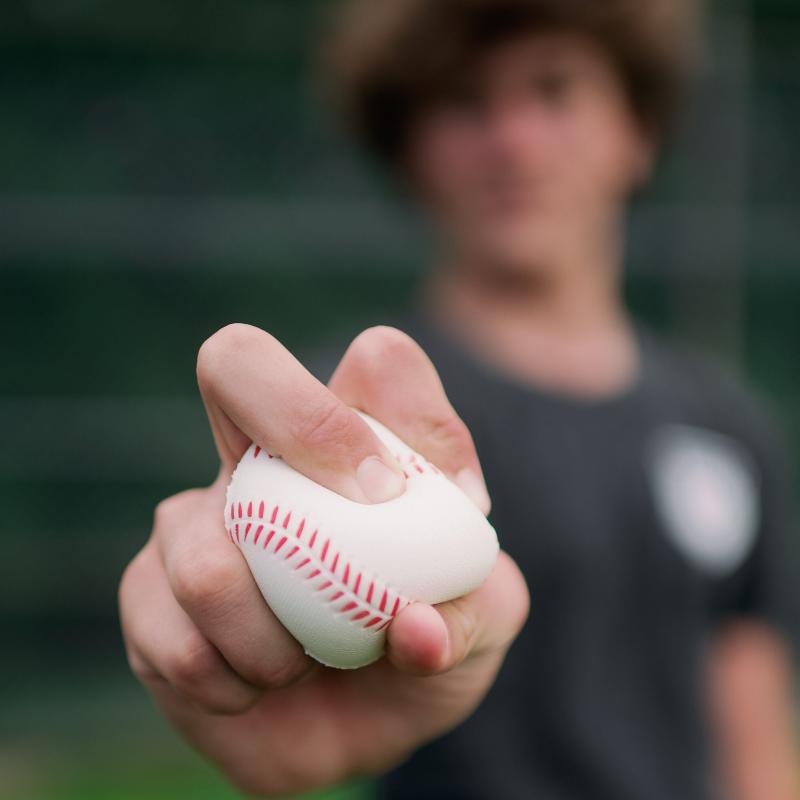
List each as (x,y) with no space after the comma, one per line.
(761,767)
(754,711)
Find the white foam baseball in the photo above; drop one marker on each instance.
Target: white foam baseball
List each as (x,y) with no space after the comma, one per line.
(336,572)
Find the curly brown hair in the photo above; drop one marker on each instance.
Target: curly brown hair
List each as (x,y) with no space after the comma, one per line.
(388,59)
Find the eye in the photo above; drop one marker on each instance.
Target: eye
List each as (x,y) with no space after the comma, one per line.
(552,87)
(464,101)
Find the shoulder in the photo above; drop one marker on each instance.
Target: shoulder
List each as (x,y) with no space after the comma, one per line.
(713,394)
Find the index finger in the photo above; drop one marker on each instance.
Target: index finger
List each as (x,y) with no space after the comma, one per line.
(254,390)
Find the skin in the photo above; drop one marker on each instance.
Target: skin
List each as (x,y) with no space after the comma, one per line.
(526,172)
(754,714)
(201,638)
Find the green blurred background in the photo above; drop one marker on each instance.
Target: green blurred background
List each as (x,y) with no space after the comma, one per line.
(166,167)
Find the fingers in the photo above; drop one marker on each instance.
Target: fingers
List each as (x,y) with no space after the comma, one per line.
(210,580)
(387,375)
(254,390)
(426,640)
(193,617)
(166,648)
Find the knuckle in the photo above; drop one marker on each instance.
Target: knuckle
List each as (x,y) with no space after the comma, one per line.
(127,583)
(201,578)
(193,664)
(167,511)
(173,512)
(131,584)
(174,508)
(448,432)
(328,422)
(461,625)
(141,668)
(287,671)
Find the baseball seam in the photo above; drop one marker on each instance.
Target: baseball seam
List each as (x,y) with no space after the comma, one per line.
(364,599)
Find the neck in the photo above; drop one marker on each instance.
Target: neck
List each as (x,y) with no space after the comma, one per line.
(563,327)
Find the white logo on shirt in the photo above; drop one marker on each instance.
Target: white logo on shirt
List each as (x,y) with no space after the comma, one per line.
(705,491)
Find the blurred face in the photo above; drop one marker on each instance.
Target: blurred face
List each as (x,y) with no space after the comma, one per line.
(538,152)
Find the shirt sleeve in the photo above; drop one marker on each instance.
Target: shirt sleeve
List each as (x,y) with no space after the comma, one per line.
(767,585)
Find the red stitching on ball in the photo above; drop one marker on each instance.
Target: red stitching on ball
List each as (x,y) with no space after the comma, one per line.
(373,618)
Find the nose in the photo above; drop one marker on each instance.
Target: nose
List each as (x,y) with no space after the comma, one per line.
(513,125)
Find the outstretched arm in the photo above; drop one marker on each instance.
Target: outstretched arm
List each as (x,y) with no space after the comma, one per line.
(199,634)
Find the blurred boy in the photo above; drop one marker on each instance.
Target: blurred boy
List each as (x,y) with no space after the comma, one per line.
(640,492)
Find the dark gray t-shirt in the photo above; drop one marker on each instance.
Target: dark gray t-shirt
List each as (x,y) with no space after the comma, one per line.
(641,523)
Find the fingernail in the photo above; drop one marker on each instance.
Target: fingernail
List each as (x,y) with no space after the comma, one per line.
(378,481)
(473,486)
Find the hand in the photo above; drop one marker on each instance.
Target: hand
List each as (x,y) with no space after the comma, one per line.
(200,636)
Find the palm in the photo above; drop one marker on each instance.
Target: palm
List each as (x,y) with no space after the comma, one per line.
(198,633)
(338,723)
